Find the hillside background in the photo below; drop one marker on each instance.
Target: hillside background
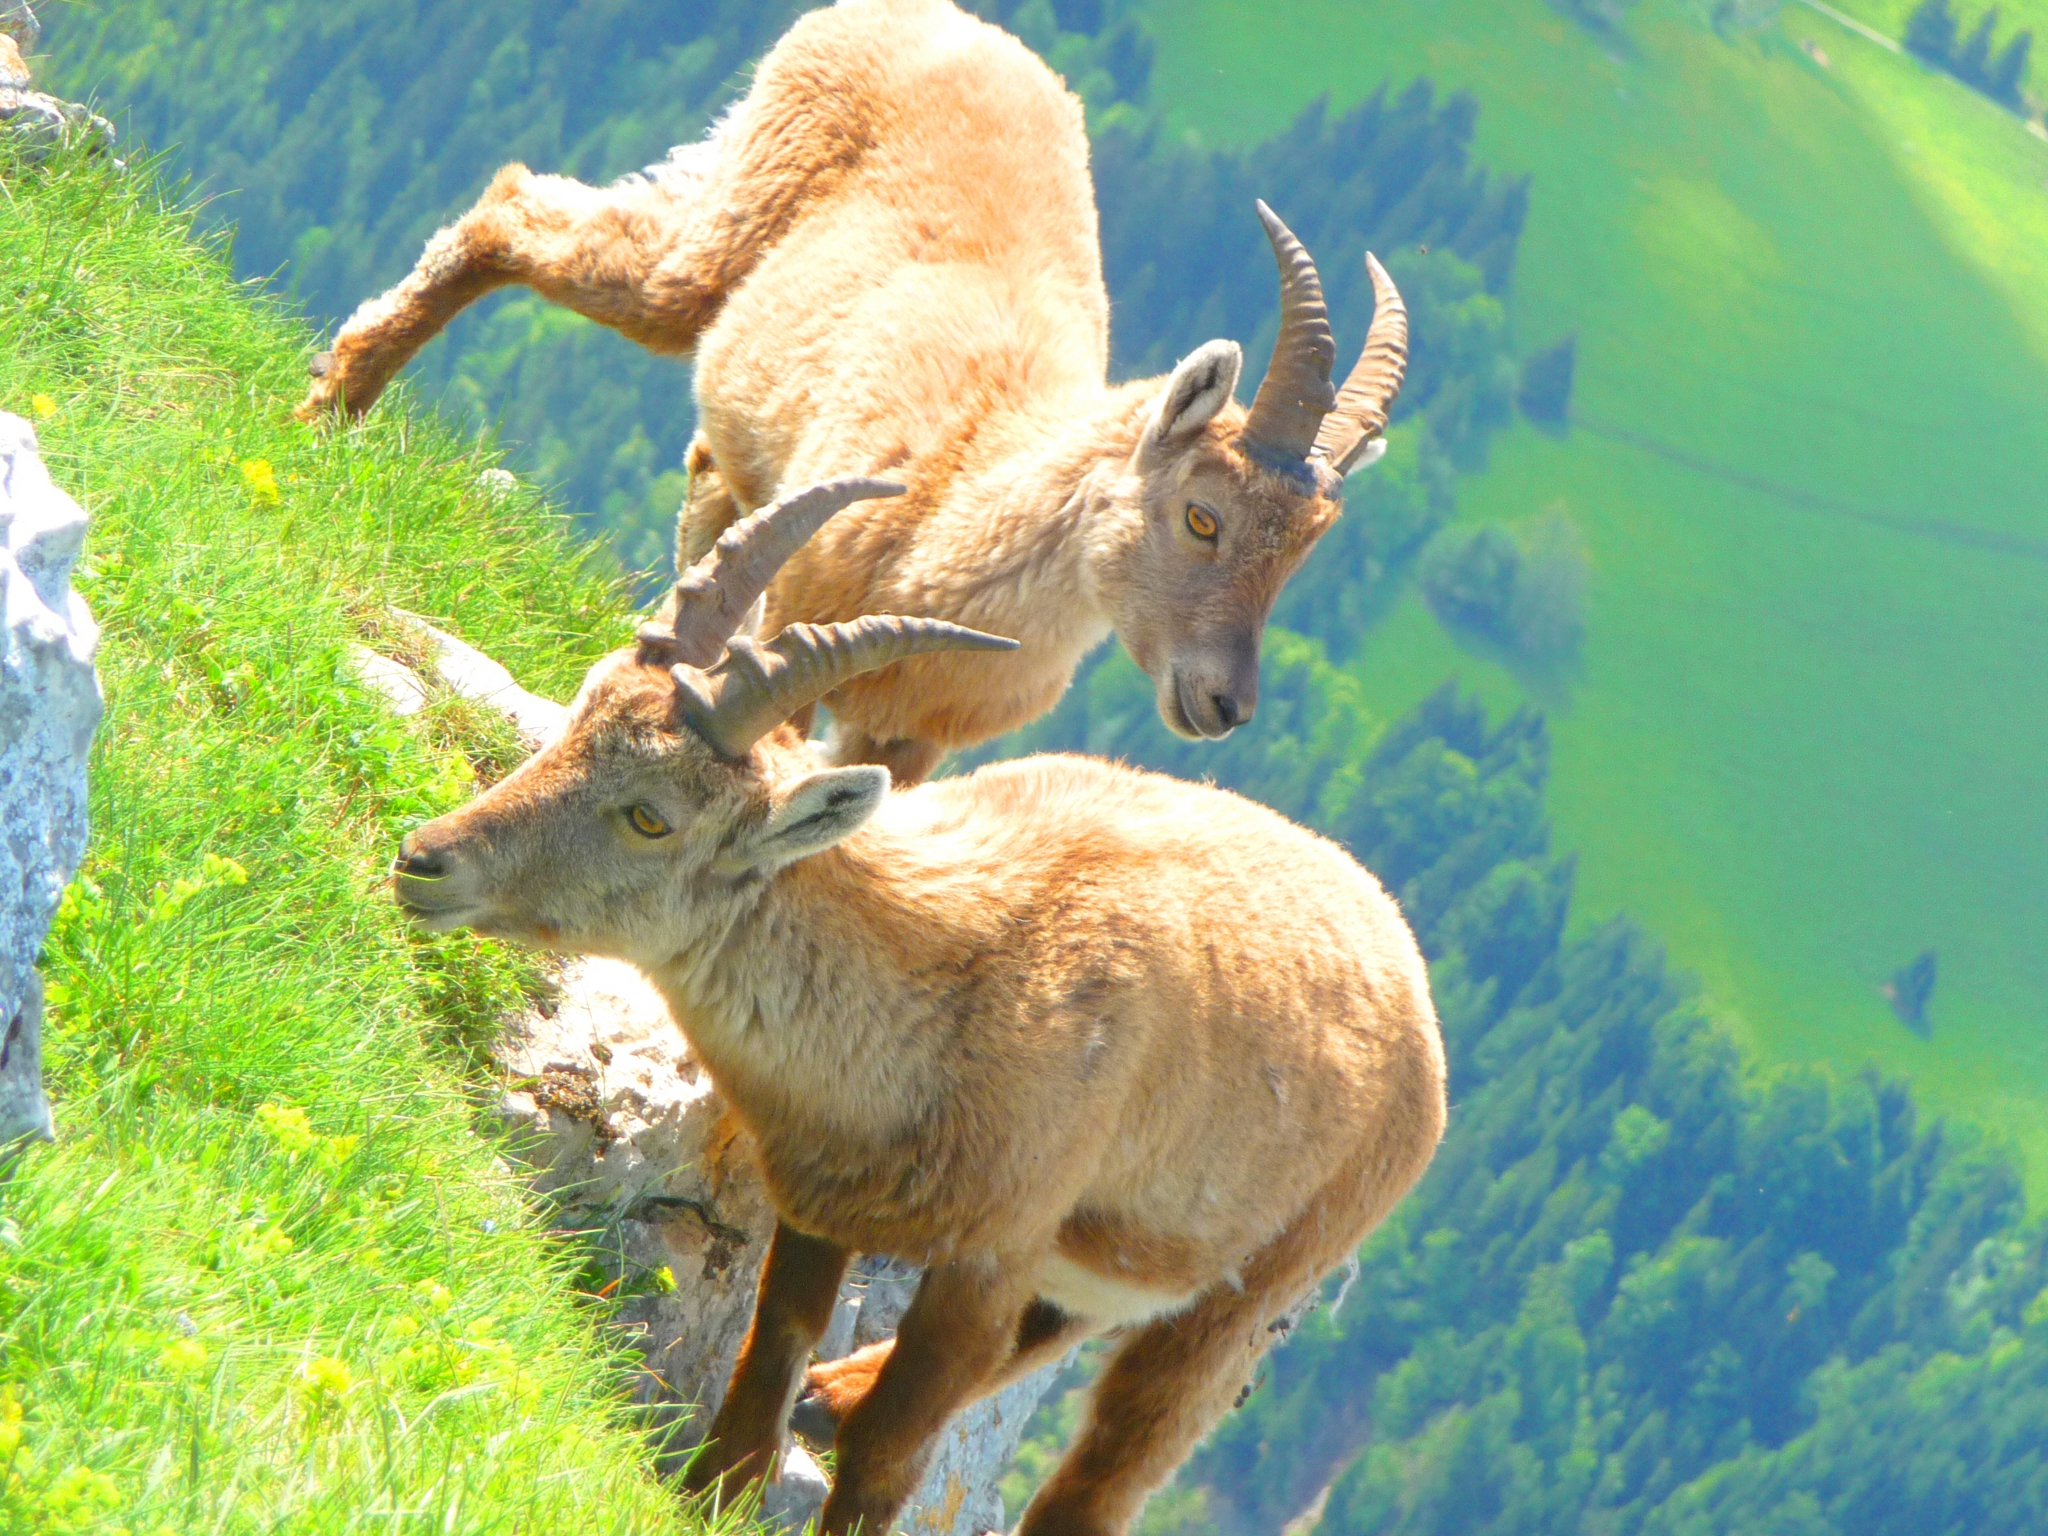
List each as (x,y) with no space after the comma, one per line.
(1787,568)
(1679,666)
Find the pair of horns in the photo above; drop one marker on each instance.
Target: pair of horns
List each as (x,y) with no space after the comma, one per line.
(734,690)
(1298,417)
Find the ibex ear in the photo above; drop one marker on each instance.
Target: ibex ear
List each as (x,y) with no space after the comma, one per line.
(1200,387)
(819,810)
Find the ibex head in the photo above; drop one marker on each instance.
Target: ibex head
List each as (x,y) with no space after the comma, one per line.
(1234,499)
(664,795)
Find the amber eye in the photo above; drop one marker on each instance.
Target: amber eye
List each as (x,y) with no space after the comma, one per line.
(1201,521)
(646,823)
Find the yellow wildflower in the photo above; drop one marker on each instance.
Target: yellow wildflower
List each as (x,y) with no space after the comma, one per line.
(185,1357)
(262,480)
(287,1125)
(323,1376)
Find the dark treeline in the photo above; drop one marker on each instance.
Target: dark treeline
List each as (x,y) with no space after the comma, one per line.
(1644,1288)
(1934,34)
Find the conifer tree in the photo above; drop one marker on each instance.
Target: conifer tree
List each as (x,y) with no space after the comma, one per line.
(1545,395)
(2009,74)
(1931,33)
(1973,62)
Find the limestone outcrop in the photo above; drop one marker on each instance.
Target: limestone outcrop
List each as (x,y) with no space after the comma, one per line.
(42,120)
(49,708)
(629,1138)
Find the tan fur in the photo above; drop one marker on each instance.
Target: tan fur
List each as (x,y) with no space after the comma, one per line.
(886,261)
(1059,1029)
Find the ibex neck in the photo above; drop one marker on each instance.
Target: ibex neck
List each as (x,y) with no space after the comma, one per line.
(1032,519)
(815,1009)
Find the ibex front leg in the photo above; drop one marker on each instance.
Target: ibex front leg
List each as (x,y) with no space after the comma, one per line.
(958,1332)
(799,1286)
(598,250)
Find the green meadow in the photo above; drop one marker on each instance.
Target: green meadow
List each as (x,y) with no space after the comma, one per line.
(1809,466)
(277,1275)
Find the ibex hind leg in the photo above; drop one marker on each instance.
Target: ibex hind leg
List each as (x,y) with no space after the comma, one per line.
(653,256)
(1171,1380)
(962,1326)
(708,509)
(596,250)
(1163,1389)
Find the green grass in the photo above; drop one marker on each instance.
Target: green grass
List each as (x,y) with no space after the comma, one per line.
(273,1276)
(1813,314)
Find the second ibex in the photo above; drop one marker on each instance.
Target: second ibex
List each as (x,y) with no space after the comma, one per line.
(885,261)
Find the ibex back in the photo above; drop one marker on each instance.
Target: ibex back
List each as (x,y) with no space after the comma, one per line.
(885,260)
(1101,1049)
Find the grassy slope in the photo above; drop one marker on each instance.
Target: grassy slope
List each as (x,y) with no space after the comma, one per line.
(271,1278)
(1808,741)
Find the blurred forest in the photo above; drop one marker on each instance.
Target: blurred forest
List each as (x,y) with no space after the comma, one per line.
(1648,1286)
(1645,1287)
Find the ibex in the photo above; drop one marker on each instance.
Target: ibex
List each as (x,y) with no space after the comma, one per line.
(885,261)
(1103,1050)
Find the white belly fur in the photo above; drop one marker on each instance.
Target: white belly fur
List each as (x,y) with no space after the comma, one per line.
(1105,1302)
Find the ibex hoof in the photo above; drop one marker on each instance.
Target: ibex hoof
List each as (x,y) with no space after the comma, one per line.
(813,1420)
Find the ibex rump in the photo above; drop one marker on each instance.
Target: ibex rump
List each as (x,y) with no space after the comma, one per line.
(885,261)
(1100,1049)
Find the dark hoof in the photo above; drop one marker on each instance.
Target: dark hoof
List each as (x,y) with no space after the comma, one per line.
(811,1419)
(322,365)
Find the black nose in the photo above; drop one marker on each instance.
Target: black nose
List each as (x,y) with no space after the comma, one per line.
(1227,710)
(419,864)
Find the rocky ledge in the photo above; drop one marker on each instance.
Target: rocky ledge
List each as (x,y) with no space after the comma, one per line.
(49,708)
(40,120)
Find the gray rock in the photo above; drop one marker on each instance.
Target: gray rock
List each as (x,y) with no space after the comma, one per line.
(625,1131)
(884,1288)
(797,1495)
(19,22)
(40,121)
(23,1109)
(49,707)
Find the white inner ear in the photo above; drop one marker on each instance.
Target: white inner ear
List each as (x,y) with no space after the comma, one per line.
(1374,451)
(822,808)
(1200,387)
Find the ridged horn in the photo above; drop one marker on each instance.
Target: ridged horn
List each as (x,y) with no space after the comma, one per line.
(1360,414)
(1296,393)
(712,597)
(754,687)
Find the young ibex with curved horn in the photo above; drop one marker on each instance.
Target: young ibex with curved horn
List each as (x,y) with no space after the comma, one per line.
(1101,1049)
(885,260)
